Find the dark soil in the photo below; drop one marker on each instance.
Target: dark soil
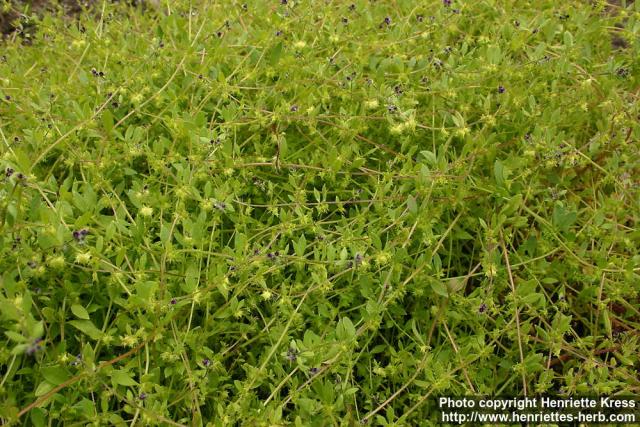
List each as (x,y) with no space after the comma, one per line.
(617,41)
(16,21)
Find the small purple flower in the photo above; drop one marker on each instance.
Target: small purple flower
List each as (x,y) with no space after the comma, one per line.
(270,255)
(278,33)
(392,108)
(292,355)
(77,361)
(387,20)
(9,172)
(294,108)
(314,371)
(352,7)
(358,259)
(35,346)
(206,362)
(622,72)
(142,396)
(21,176)
(501,89)
(7,97)
(447,3)
(482,308)
(283,2)
(79,235)
(173,301)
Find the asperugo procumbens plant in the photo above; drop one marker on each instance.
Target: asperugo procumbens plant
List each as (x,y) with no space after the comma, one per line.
(316,213)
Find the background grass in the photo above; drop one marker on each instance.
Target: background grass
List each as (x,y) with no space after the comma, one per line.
(315,213)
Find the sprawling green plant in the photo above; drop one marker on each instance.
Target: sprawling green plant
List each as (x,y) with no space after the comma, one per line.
(316,212)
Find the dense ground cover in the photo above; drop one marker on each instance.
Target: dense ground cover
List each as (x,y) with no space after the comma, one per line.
(316,213)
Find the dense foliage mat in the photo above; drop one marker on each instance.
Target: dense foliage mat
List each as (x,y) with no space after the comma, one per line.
(316,213)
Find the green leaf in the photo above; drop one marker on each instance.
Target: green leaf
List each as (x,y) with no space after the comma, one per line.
(88,355)
(568,39)
(14,336)
(494,54)
(36,329)
(412,205)
(80,312)
(273,56)
(87,327)
(38,417)
(439,288)
(146,290)
(561,324)
(563,218)
(107,121)
(122,378)
(498,172)
(300,246)
(240,243)
(345,329)
(43,388)
(8,310)
(430,158)
(191,278)
(55,374)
